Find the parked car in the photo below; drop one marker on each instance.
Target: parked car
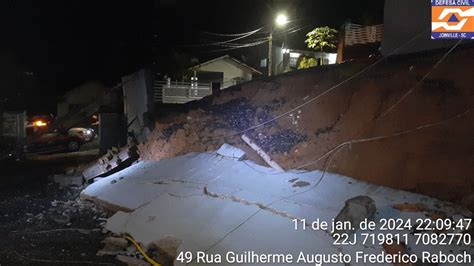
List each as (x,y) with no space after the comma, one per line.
(86,134)
(54,142)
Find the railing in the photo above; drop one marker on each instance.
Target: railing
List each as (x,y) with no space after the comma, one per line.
(358,34)
(180,92)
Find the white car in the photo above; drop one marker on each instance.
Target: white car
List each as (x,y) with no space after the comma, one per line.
(87,134)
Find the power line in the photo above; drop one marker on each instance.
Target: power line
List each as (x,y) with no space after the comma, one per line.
(262,40)
(421,81)
(239,36)
(237,47)
(233,34)
(224,42)
(296,30)
(244,44)
(292,29)
(234,44)
(401,133)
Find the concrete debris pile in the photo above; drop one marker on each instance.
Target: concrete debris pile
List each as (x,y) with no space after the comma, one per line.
(42,221)
(115,160)
(214,203)
(384,126)
(62,211)
(355,211)
(127,250)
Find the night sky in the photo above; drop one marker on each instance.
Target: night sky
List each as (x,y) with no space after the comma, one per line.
(48,47)
(182,23)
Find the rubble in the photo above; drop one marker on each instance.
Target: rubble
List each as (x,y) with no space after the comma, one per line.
(113,246)
(29,226)
(61,218)
(130,261)
(166,249)
(355,211)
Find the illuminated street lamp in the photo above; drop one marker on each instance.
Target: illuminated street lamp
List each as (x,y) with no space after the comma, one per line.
(280,21)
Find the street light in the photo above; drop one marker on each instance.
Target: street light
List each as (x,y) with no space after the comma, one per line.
(280,21)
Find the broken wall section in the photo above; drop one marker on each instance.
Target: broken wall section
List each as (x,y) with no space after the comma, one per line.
(138,103)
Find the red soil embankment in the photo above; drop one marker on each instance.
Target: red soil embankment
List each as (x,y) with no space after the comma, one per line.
(436,159)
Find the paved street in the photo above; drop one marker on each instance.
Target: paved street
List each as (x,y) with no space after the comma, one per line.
(43,223)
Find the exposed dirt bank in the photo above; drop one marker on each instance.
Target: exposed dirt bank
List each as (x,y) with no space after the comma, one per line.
(425,144)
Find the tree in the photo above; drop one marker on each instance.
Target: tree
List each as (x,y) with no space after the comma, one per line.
(320,38)
(306,62)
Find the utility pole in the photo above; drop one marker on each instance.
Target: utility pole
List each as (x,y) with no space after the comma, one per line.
(280,21)
(270,60)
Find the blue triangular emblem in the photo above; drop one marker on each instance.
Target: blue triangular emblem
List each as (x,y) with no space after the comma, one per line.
(453,18)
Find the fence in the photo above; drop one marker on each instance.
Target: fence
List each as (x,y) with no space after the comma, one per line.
(180,92)
(13,125)
(358,34)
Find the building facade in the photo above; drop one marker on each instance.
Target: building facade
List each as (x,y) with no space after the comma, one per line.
(285,60)
(224,72)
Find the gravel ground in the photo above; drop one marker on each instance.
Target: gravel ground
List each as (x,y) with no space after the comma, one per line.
(43,224)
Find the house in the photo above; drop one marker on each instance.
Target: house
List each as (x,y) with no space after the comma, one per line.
(224,72)
(206,78)
(285,60)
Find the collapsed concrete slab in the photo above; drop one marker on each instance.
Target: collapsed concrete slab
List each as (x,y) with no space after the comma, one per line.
(218,204)
(111,162)
(227,150)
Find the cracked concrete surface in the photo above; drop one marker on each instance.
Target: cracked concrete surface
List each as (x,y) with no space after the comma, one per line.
(246,202)
(219,204)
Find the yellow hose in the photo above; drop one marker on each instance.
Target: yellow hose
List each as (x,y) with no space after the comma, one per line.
(148,259)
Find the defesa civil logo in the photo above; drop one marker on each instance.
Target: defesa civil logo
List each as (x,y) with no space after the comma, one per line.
(452,19)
